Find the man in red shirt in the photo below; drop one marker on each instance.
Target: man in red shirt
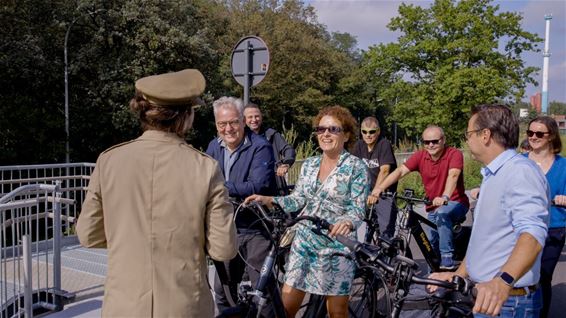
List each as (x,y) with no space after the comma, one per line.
(440,168)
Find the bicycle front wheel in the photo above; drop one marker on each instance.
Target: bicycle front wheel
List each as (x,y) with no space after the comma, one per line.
(369,297)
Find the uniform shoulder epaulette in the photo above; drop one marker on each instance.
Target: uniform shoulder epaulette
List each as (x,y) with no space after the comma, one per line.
(198,151)
(118,145)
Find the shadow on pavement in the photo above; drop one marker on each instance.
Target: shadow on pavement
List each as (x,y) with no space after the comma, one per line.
(87,308)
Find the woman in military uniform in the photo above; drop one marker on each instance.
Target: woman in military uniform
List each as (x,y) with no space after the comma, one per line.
(159,206)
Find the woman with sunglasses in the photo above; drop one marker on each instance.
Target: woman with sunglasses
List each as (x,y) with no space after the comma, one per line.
(332,186)
(544,139)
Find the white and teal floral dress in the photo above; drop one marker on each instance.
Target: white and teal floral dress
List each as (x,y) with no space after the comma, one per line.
(313,265)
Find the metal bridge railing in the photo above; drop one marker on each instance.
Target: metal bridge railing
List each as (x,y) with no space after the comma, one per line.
(74,179)
(30,255)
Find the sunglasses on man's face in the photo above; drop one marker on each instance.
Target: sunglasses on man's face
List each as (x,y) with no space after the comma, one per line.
(369,132)
(432,141)
(539,134)
(335,130)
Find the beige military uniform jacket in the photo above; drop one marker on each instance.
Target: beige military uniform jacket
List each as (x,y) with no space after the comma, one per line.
(159,207)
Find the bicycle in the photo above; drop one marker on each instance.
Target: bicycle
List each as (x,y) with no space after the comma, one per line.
(268,286)
(386,263)
(409,224)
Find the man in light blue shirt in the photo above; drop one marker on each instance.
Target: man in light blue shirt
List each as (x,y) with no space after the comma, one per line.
(510,221)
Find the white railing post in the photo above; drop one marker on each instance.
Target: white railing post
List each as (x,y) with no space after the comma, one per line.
(26,244)
(57,232)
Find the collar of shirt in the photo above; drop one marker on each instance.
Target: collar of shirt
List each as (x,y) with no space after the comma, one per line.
(497,163)
(245,141)
(160,135)
(442,156)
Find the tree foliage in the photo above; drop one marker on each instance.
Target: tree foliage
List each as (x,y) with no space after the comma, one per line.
(449,57)
(557,108)
(306,62)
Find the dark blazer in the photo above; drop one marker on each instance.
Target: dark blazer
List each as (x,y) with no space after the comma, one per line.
(253,171)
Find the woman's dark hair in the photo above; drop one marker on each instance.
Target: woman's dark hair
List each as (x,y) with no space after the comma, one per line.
(344,116)
(499,119)
(171,118)
(553,132)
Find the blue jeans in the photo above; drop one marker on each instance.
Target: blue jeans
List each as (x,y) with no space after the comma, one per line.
(443,217)
(520,306)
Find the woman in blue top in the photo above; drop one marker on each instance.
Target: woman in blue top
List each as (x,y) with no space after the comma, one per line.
(546,145)
(332,186)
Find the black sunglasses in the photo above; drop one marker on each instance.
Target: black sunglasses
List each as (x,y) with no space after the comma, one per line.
(369,132)
(539,134)
(335,130)
(432,141)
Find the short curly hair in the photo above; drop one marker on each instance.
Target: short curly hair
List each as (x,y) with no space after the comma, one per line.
(343,115)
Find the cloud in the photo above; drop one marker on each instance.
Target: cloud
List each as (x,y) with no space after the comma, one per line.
(367,20)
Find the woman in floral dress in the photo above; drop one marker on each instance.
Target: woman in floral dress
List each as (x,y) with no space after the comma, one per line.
(332,186)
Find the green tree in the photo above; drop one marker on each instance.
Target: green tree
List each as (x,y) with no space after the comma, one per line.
(307,62)
(449,57)
(111,44)
(557,108)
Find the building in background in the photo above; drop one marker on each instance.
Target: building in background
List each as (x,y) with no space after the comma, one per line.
(536,102)
(561,122)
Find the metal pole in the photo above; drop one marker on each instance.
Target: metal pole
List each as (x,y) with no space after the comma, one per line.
(247,71)
(26,244)
(67,149)
(67,134)
(546,56)
(57,232)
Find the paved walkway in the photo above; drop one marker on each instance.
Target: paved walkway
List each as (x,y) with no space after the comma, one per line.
(84,271)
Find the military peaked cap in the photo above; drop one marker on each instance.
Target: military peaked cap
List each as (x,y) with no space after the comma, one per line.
(177,88)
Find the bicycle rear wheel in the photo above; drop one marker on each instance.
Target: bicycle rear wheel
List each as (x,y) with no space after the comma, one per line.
(369,297)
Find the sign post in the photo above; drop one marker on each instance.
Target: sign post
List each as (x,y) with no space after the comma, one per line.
(249,63)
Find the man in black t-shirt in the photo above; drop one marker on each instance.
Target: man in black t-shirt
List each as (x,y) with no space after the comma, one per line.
(377,154)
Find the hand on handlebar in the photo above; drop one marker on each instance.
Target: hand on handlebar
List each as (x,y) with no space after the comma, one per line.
(559,200)
(445,276)
(438,201)
(373,197)
(265,200)
(341,228)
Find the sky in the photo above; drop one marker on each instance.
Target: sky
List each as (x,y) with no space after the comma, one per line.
(367,20)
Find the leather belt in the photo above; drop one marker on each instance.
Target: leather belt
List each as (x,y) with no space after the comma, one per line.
(523,291)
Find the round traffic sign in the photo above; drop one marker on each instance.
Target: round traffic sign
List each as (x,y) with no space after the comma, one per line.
(250,61)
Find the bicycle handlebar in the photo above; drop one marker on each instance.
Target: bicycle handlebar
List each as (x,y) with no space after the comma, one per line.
(407,198)
(373,254)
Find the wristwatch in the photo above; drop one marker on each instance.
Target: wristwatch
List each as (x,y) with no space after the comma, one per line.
(506,278)
(447,198)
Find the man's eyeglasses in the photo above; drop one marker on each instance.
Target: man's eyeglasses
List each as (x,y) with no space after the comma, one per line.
(369,132)
(539,134)
(469,132)
(233,123)
(431,141)
(335,130)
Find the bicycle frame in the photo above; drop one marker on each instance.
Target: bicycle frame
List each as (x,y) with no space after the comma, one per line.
(400,272)
(412,222)
(266,285)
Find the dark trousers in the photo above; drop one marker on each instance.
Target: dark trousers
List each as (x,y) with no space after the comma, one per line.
(550,256)
(386,216)
(253,248)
